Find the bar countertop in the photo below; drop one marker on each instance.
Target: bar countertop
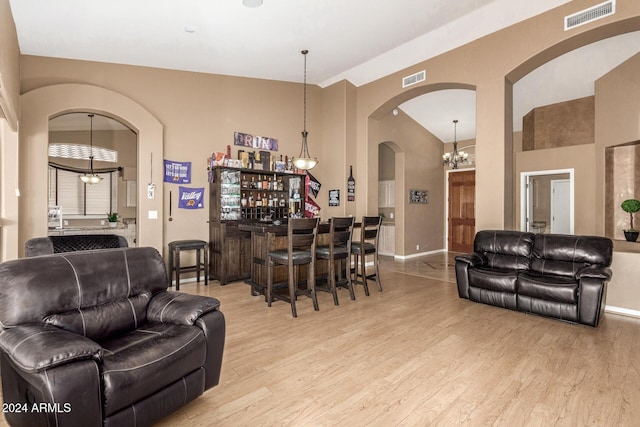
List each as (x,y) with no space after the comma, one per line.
(279,230)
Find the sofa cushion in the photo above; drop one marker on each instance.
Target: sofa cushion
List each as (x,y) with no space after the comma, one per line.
(105,320)
(549,288)
(505,250)
(492,279)
(564,255)
(138,364)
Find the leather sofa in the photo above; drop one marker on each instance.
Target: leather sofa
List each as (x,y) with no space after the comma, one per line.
(71,243)
(94,338)
(553,275)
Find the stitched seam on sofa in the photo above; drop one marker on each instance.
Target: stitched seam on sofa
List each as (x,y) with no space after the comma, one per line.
(133,312)
(53,399)
(126,266)
(84,325)
(517,246)
(165,307)
(75,273)
(152,361)
(184,386)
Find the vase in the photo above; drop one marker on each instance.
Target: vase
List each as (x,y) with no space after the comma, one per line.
(631,235)
(115,224)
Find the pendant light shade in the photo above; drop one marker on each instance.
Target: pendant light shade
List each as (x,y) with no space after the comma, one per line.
(91,177)
(304,161)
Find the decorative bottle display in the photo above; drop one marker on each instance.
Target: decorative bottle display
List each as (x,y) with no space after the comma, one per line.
(351,186)
(248,195)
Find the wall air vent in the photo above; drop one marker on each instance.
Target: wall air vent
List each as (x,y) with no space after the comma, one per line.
(414,78)
(591,14)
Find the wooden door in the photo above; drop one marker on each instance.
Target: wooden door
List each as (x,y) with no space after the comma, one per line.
(462,210)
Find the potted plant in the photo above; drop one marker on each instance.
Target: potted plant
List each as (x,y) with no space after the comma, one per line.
(112,217)
(631,206)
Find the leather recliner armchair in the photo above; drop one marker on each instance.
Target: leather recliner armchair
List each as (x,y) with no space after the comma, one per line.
(75,242)
(95,339)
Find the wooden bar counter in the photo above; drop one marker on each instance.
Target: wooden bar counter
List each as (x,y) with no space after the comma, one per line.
(268,237)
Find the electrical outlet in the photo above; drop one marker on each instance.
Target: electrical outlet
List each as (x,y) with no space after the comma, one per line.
(417,247)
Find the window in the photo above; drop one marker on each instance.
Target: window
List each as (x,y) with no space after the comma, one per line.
(79,199)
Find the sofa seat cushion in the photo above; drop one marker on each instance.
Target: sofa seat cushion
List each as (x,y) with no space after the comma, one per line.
(549,288)
(493,279)
(140,363)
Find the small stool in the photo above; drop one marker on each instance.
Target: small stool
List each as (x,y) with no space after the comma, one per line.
(174,260)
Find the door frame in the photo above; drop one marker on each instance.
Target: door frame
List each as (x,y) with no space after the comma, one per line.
(524,191)
(446,203)
(552,202)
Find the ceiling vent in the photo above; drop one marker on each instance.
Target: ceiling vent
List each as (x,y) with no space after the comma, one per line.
(591,14)
(414,78)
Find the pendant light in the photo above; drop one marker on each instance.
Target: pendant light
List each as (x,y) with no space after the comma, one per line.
(456,157)
(91,177)
(304,161)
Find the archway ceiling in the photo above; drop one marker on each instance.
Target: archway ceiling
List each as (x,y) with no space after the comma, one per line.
(356,40)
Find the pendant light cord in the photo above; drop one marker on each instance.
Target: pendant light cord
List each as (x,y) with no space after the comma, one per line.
(304,123)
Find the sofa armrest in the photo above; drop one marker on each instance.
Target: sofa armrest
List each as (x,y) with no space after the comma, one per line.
(36,347)
(179,308)
(594,271)
(473,259)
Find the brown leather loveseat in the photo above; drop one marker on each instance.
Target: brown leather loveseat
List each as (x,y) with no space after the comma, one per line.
(553,275)
(95,339)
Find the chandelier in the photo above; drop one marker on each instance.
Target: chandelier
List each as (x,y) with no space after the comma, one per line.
(91,177)
(304,161)
(455,158)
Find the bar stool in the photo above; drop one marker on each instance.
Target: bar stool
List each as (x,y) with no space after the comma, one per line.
(175,248)
(339,248)
(368,245)
(301,246)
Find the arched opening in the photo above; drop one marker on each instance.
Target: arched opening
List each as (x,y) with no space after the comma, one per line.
(419,222)
(39,106)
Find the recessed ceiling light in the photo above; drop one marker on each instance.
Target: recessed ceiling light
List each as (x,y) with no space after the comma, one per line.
(189,29)
(252,3)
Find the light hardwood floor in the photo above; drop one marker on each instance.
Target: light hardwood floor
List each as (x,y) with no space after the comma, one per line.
(415,355)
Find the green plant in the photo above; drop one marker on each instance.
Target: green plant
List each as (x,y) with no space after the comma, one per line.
(112,216)
(631,206)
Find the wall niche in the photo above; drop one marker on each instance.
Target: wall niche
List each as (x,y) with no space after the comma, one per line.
(622,181)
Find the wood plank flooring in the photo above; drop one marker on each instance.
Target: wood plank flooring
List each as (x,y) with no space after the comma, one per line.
(414,355)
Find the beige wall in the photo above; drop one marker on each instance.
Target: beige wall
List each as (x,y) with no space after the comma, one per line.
(9,67)
(418,165)
(9,106)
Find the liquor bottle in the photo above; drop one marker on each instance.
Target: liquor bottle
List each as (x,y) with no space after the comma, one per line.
(259,200)
(251,204)
(351,186)
(243,201)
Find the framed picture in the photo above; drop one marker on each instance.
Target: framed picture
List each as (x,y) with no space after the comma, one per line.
(54,217)
(418,196)
(334,197)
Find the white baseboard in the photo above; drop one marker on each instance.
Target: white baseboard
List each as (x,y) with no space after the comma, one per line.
(622,311)
(405,257)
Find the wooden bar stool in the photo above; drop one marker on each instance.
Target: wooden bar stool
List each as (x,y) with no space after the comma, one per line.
(339,248)
(368,245)
(301,247)
(175,248)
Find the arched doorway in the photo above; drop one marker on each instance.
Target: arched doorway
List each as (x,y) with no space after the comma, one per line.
(420,227)
(39,106)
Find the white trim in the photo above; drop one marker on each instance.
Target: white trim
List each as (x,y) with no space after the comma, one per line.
(622,311)
(523,195)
